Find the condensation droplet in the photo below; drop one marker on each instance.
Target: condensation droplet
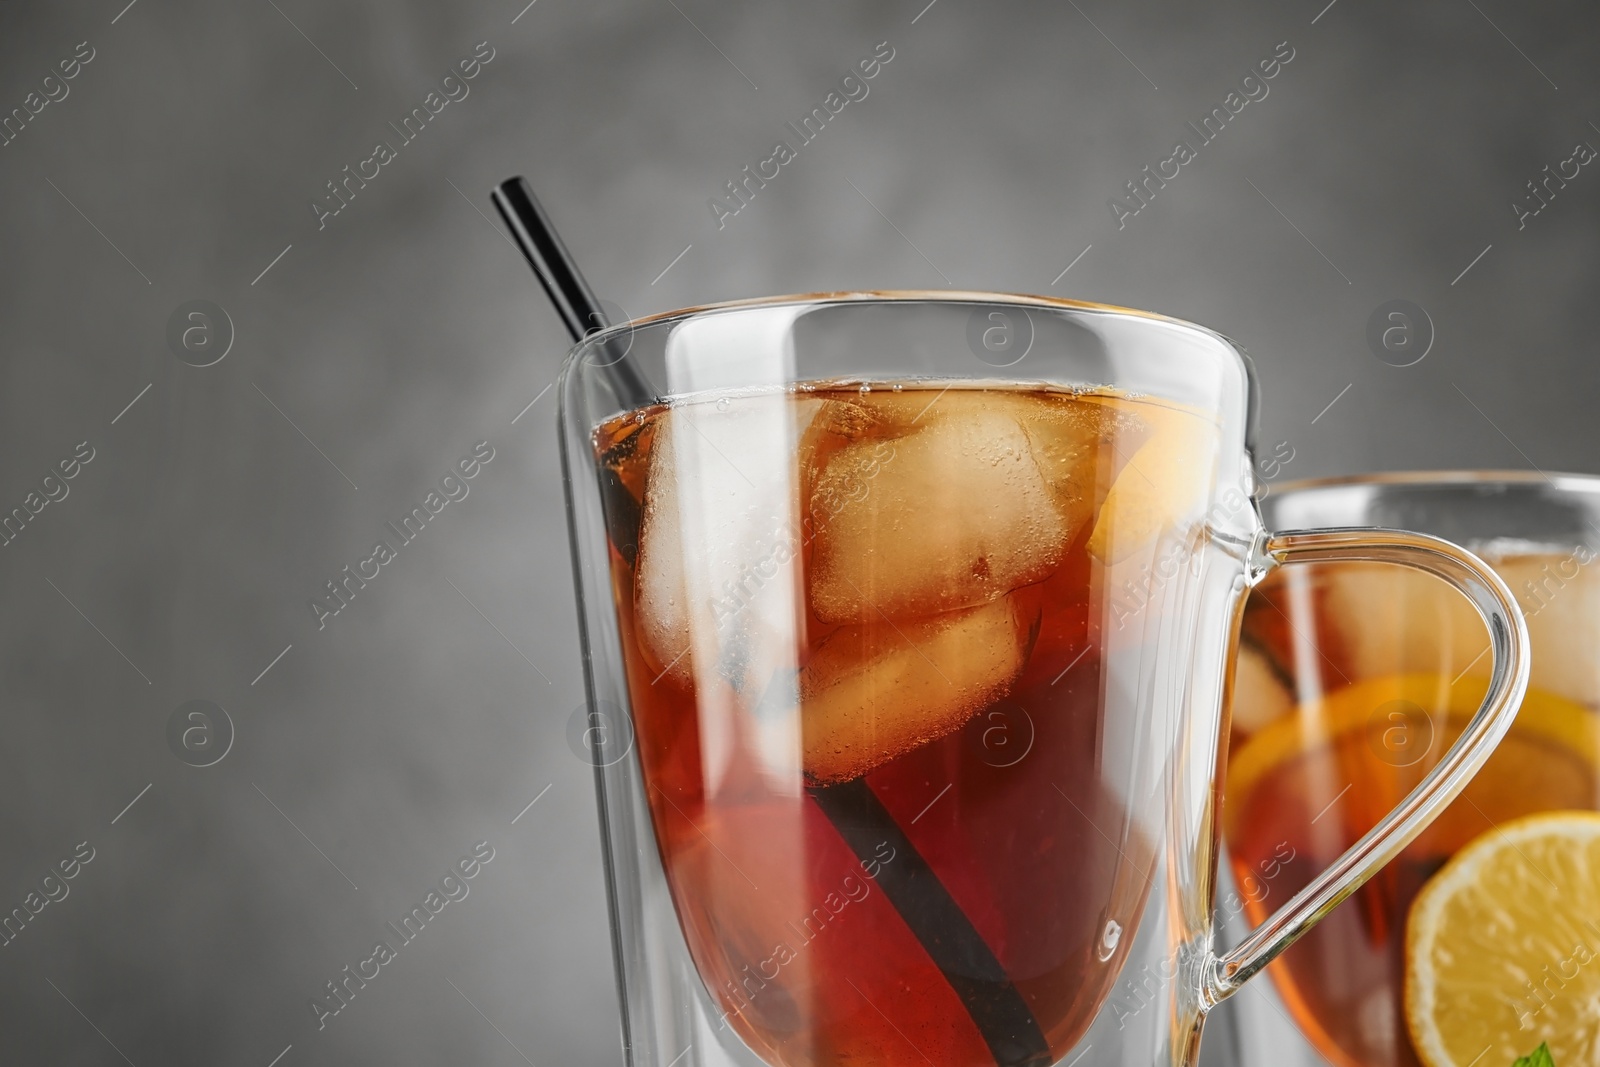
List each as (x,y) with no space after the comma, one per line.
(723,403)
(1108,940)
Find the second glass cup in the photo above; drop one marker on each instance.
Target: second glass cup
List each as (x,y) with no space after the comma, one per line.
(1352,681)
(906,621)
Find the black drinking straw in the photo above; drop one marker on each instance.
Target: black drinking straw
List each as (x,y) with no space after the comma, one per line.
(997,1007)
(563,282)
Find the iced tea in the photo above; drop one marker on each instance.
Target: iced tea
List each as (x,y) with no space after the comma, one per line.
(867,631)
(1353,681)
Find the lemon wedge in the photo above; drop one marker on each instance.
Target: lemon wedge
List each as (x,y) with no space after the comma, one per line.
(1166,482)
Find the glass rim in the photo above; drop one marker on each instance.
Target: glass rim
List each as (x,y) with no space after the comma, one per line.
(1561,481)
(889,296)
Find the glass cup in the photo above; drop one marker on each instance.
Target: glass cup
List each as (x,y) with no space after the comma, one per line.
(1350,684)
(906,619)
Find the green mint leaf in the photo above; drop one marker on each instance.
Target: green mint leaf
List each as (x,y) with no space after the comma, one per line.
(1539,1057)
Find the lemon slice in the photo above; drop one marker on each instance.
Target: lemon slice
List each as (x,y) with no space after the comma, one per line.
(1549,757)
(1166,483)
(1503,947)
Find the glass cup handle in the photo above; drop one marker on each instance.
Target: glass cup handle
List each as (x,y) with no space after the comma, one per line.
(1508,680)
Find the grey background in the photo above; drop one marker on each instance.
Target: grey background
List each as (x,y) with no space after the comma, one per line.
(412,726)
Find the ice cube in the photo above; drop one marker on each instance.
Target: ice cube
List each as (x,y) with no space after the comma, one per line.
(661,601)
(1385,620)
(717,585)
(951,515)
(871,692)
(1259,694)
(1560,598)
(1074,443)
(1165,484)
(1394,620)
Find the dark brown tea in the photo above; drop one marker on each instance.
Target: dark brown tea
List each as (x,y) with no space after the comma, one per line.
(864,633)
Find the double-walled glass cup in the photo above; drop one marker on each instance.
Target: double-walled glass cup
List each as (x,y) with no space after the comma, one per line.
(1352,681)
(907,620)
